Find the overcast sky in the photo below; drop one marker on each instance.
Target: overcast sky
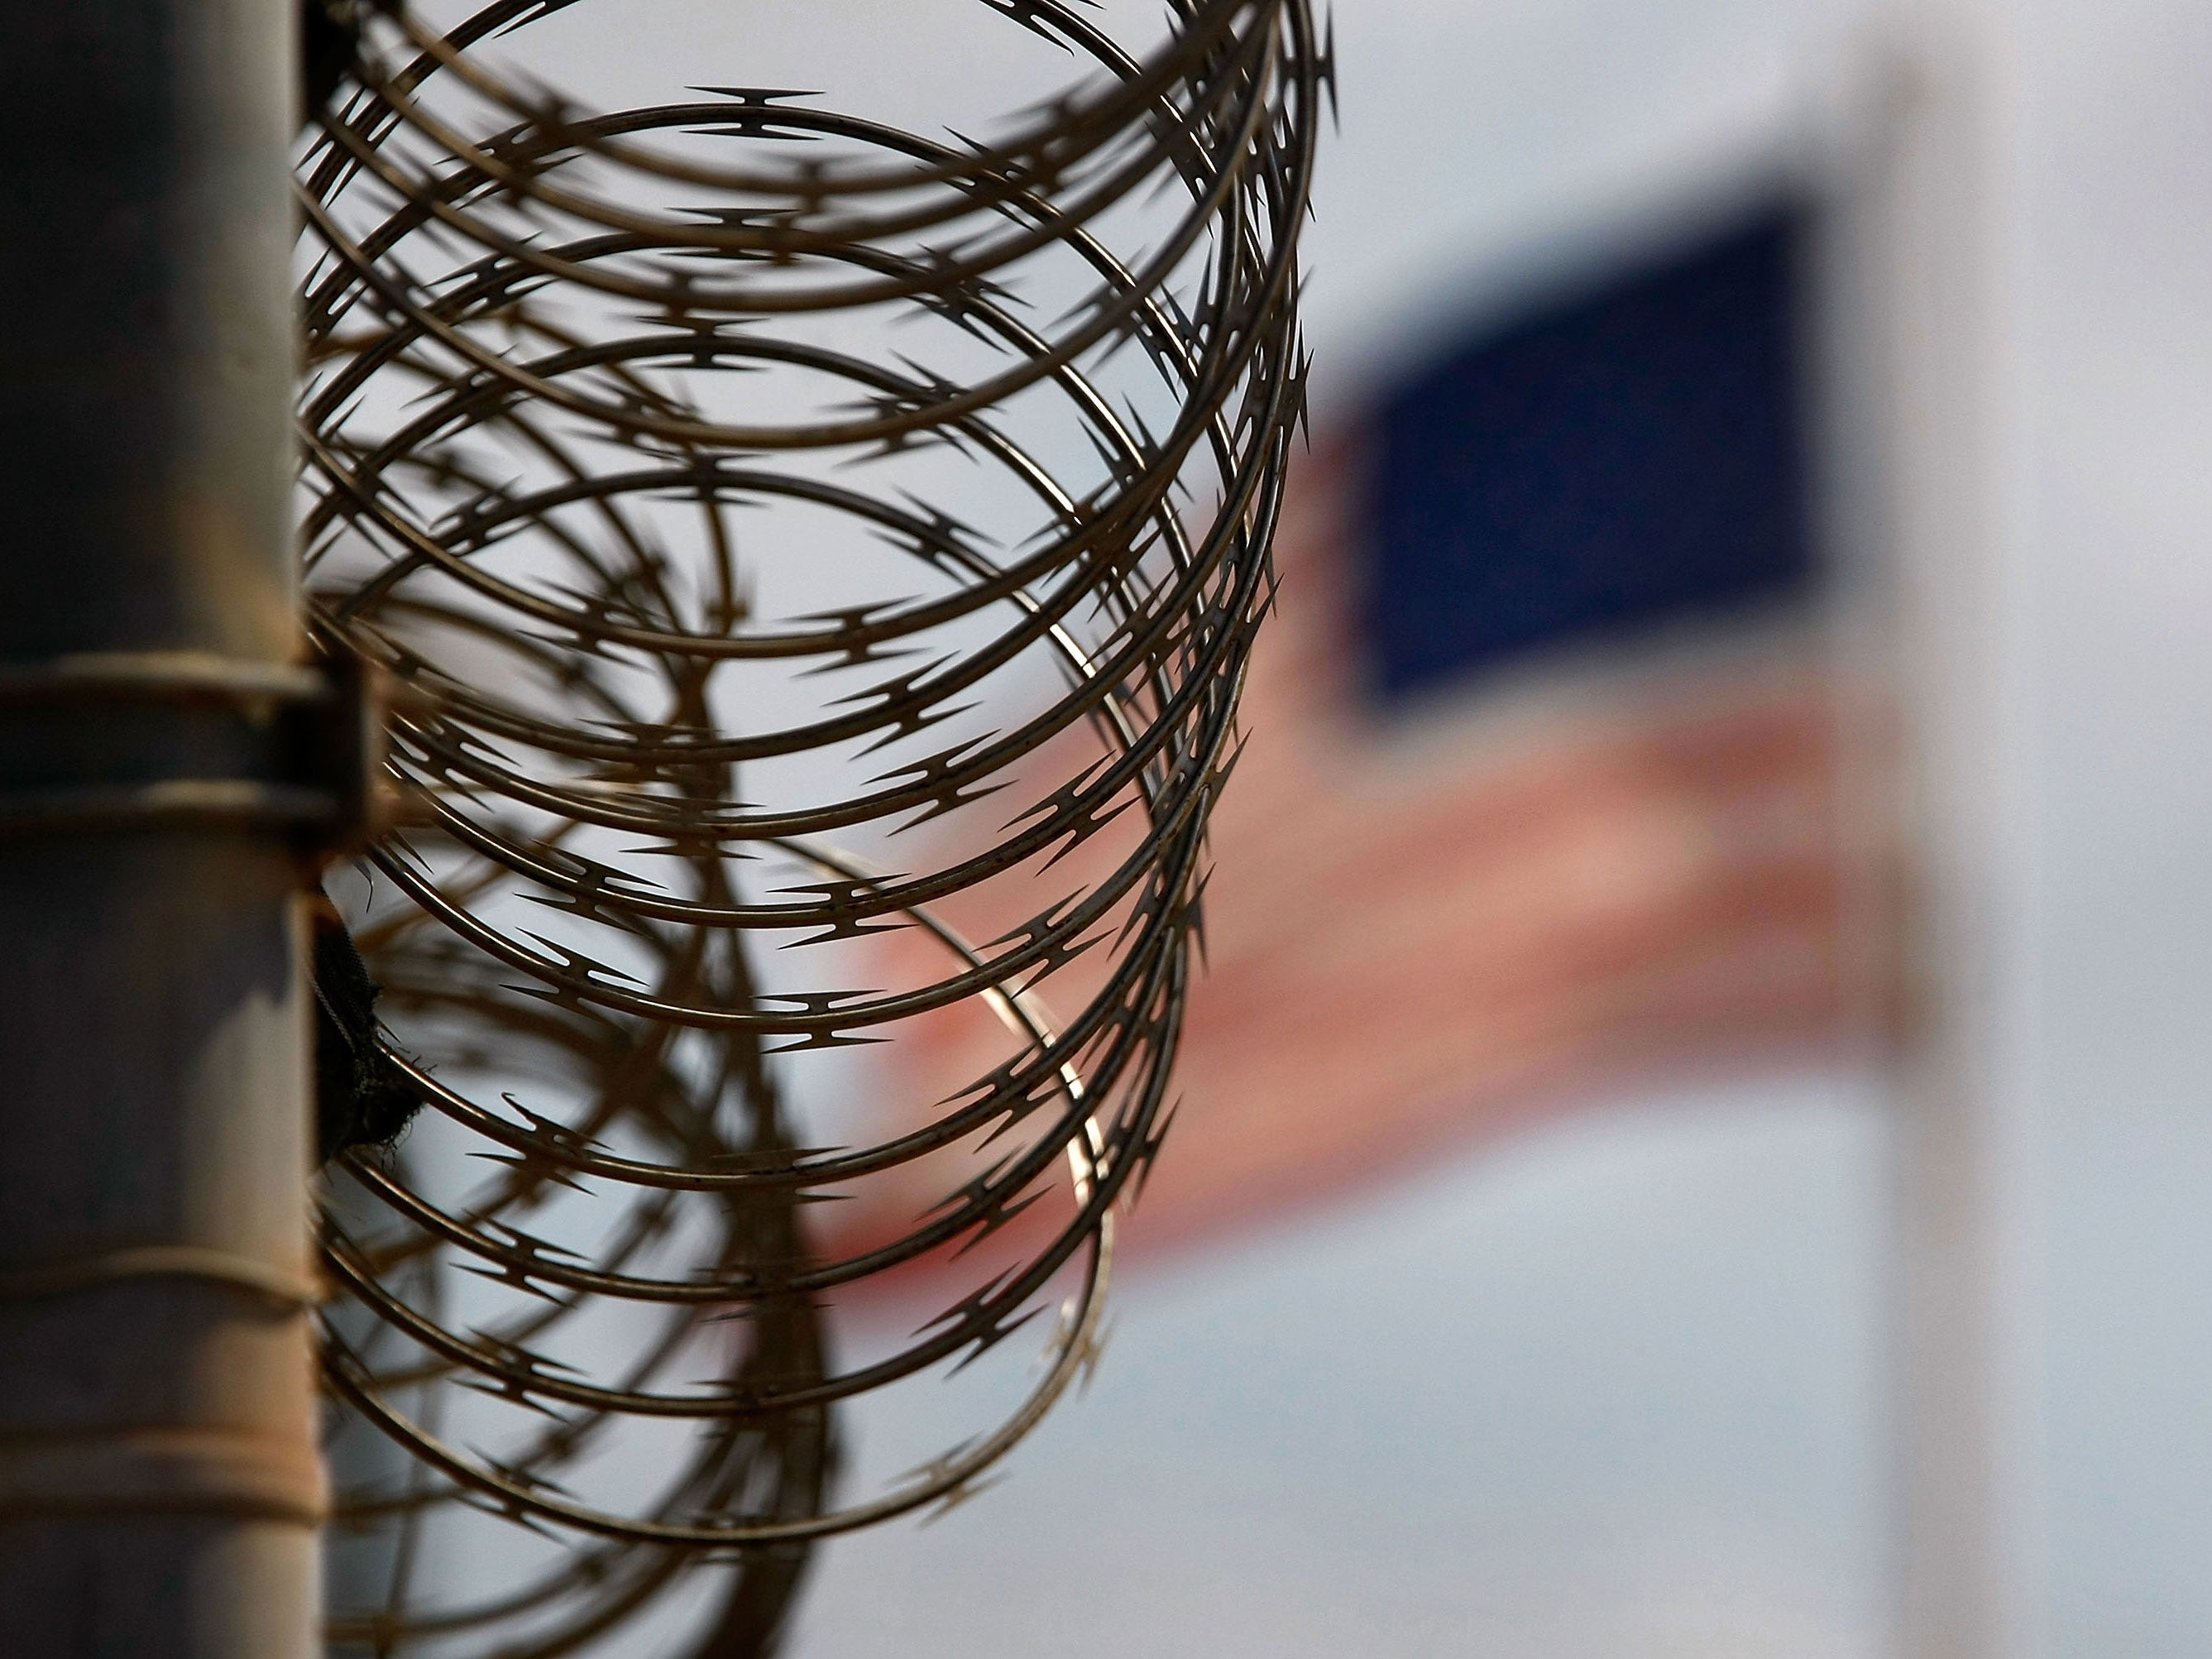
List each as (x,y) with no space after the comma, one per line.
(1615,1391)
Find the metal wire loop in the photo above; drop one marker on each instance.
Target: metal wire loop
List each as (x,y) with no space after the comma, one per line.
(820,560)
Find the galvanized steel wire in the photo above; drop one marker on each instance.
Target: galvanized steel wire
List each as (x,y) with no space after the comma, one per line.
(578,383)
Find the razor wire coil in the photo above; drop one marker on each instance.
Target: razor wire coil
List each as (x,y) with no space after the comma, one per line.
(641,445)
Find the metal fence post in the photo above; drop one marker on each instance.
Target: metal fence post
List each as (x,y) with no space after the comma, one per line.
(159,1484)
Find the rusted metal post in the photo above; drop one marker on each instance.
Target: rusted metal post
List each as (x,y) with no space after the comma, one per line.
(159,1484)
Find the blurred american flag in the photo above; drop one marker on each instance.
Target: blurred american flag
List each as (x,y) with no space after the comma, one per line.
(1548,789)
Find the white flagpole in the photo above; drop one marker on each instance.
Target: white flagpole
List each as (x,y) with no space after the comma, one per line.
(1922,353)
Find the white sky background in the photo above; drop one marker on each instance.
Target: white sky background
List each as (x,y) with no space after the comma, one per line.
(1614,1391)
(1604,1391)
(1608,1391)
(1667,1437)
(2114,271)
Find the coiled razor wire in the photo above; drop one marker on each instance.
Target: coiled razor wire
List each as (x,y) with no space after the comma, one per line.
(784,529)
